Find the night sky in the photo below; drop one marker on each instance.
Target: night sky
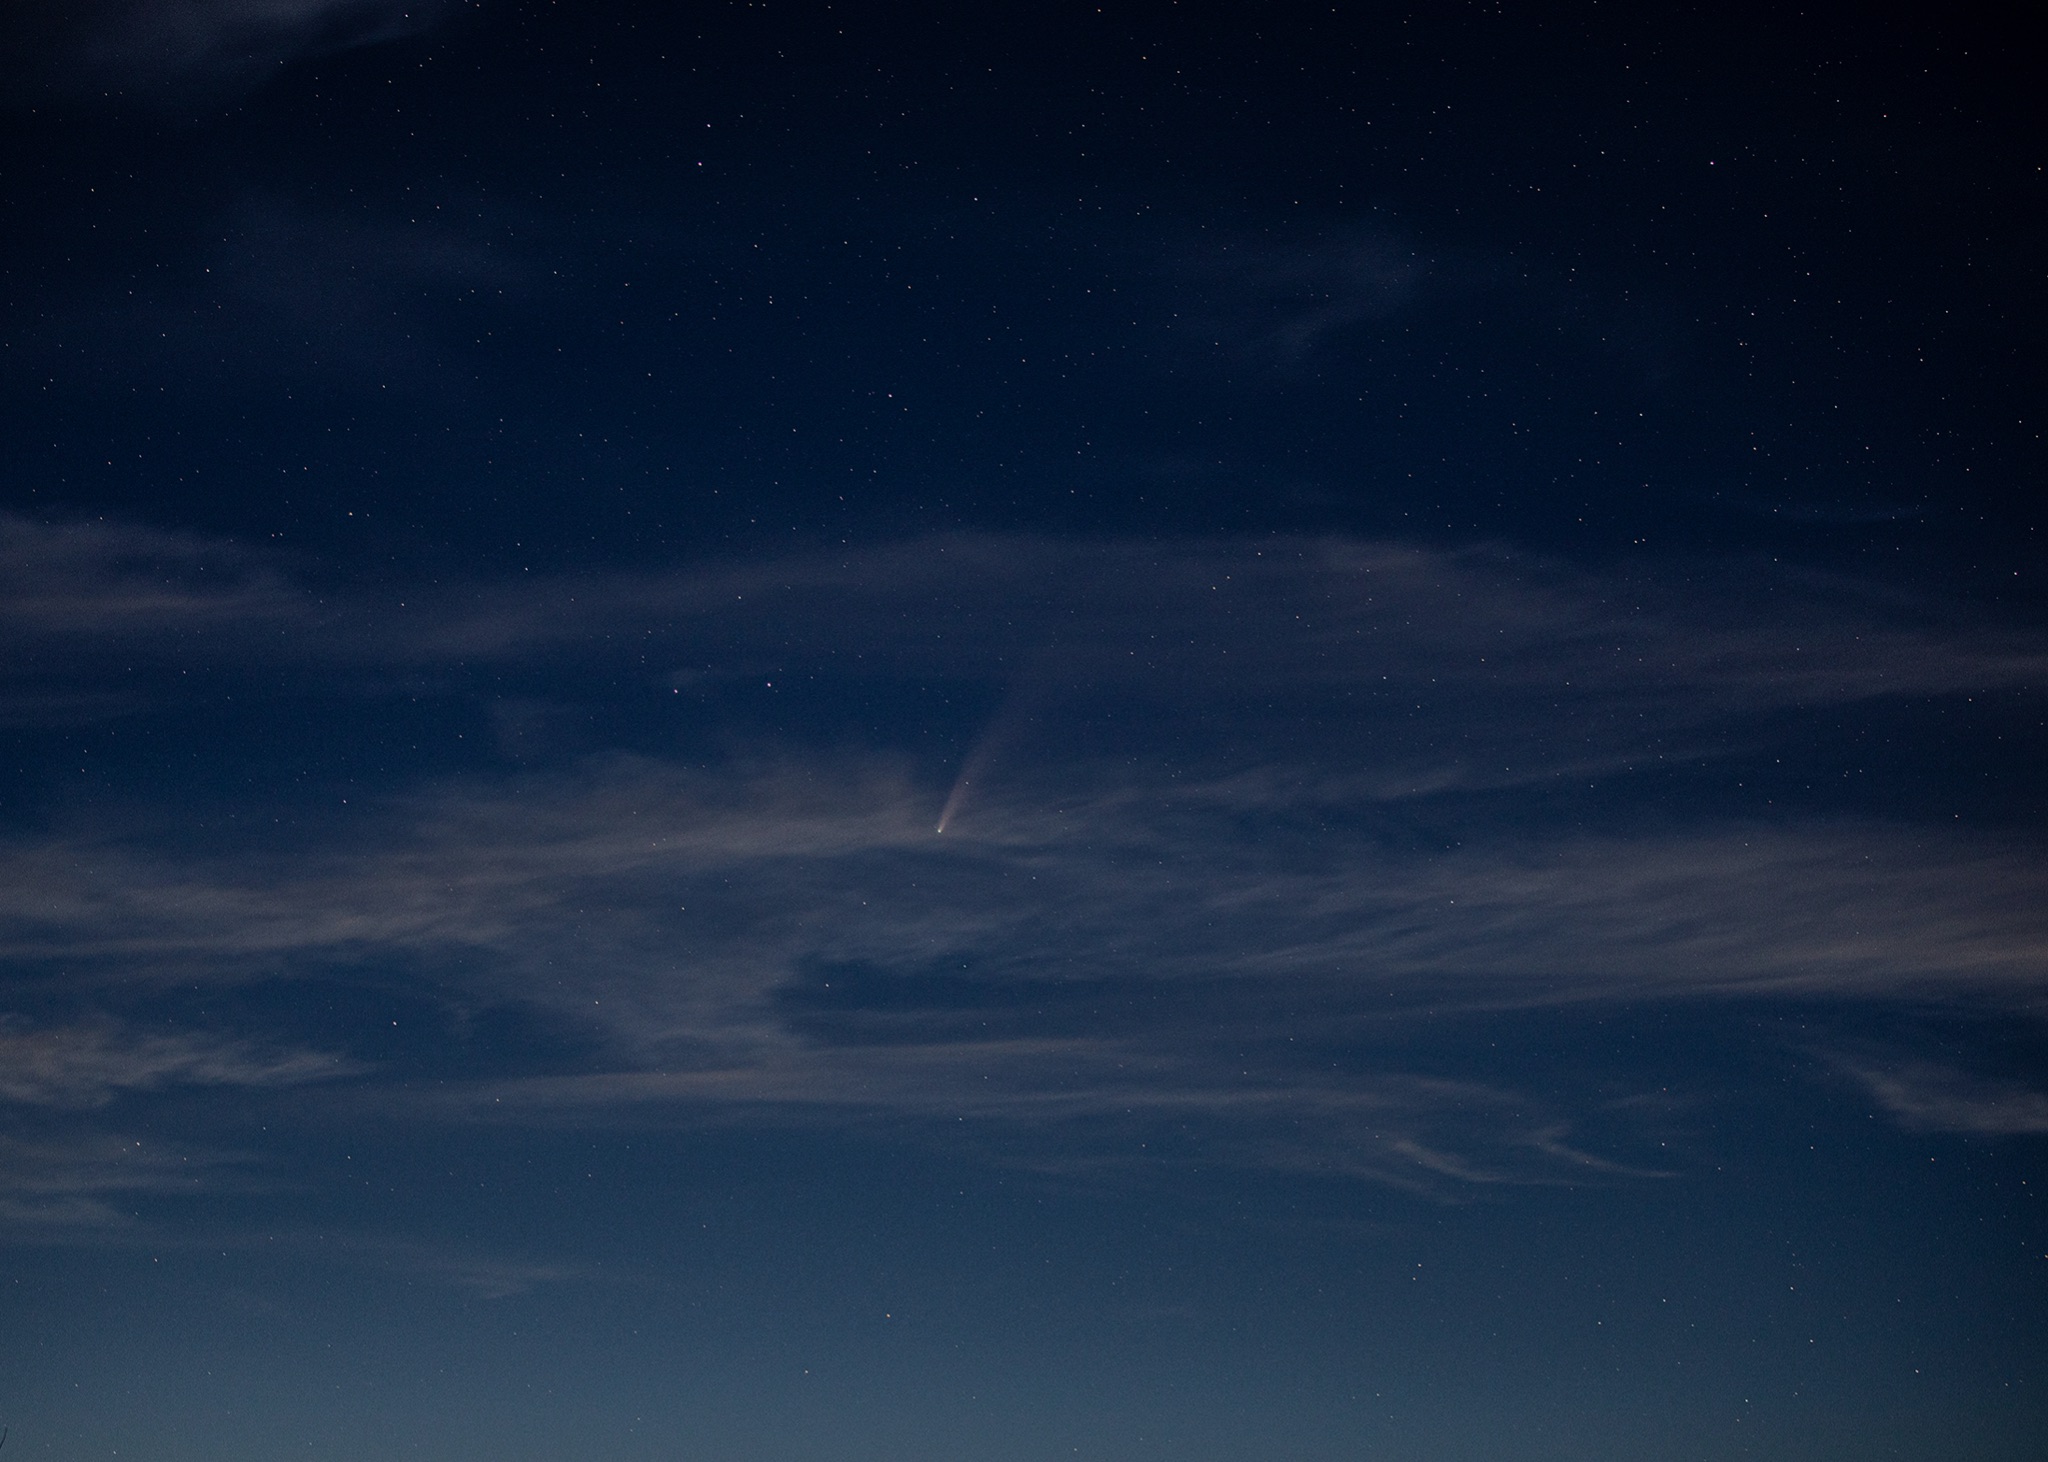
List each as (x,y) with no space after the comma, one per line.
(863,733)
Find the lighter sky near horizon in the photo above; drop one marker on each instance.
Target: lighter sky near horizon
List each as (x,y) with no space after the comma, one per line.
(1174,731)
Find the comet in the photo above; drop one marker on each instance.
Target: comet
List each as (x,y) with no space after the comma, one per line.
(1002,729)
(976,763)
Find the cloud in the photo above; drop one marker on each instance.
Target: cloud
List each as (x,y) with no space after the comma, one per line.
(1276,304)
(1225,833)
(1459,668)
(176,48)
(93,583)
(88,1066)
(1929,1097)
(1076,1106)
(743,874)
(96,615)
(62,1185)
(487,1276)
(1298,305)
(356,296)
(793,942)
(274,295)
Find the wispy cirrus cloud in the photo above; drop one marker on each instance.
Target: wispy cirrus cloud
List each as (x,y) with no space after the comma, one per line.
(1075,1104)
(62,1184)
(124,585)
(1133,923)
(797,944)
(266,293)
(490,1276)
(800,860)
(182,48)
(82,1066)
(1929,1096)
(1519,664)
(62,1174)
(1269,304)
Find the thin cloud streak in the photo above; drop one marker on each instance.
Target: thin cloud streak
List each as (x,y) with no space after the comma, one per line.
(486,1276)
(1256,303)
(191,49)
(1309,614)
(1301,614)
(59,1187)
(91,1065)
(125,585)
(1401,672)
(1929,1097)
(1077,1105)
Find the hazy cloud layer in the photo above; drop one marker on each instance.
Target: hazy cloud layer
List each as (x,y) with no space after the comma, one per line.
(753,870)
(1264,304)
(88,1066)
(798,940)
(73,1181)
(1931,1097)
(1501,652)
(182,47)
(127,586)
(484,1275)
(1134,923)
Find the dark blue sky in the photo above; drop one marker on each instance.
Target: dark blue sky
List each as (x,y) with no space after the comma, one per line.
(1153,731)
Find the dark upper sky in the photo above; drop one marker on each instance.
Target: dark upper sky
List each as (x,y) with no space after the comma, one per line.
(1152,731)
